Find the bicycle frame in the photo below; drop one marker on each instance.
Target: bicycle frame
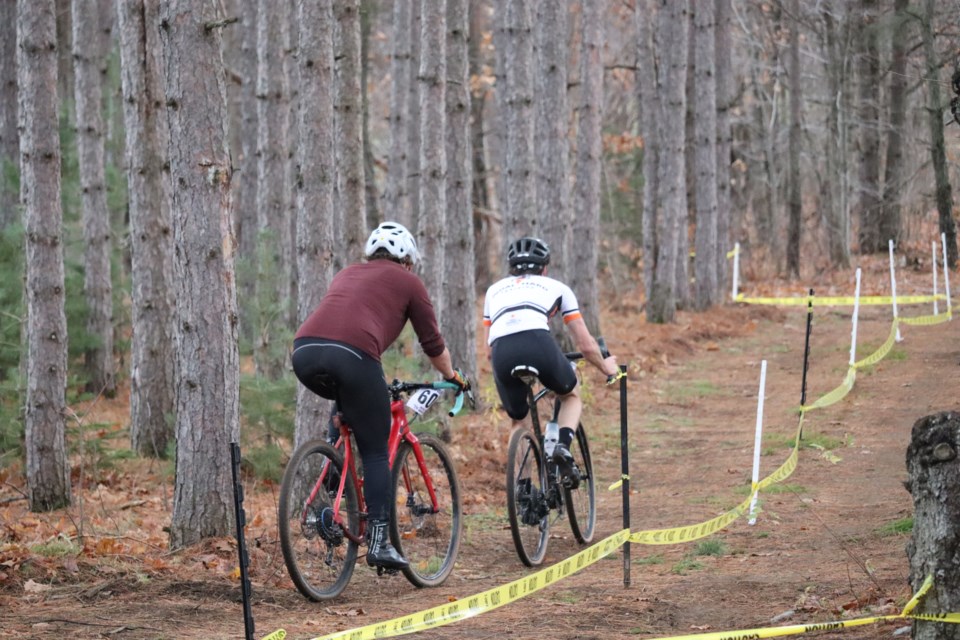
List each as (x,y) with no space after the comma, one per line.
(399,432)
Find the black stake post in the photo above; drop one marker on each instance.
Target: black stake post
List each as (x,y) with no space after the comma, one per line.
(625,471)
(806,355)
(248,625)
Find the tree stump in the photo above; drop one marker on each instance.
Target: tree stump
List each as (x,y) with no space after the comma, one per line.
(934,547)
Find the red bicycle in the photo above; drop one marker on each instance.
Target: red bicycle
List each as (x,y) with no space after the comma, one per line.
(323,516)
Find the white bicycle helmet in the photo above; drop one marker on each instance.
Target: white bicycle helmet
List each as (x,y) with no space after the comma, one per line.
(395,238)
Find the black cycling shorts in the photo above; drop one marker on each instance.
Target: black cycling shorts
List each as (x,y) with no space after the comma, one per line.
(535,348)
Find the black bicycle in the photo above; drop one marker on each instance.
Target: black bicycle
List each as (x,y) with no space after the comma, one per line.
(537,494)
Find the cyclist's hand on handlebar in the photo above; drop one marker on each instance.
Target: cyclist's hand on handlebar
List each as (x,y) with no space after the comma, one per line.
(460,380)
(610,364)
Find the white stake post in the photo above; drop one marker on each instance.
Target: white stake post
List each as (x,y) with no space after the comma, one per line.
(756,443)
(736,271)
(946,272)
(933,250)
(893,287)
(856,314)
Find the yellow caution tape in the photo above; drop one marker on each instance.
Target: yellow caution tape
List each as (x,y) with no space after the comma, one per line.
(618,483)
(882,351)
(838,301)
(836,395)
(915,600)
(733,252)
(487,600)
(279,634)
(929,320)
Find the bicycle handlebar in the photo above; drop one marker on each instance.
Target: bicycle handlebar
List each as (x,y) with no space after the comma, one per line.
(577,355)
(397,387)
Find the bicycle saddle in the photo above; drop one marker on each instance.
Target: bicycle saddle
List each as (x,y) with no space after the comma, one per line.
(525,372)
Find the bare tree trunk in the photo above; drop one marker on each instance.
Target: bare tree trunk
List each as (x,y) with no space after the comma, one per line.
(705,145)
(894,178)
(934,473)
(672,198)
(944,194)
(519,204)
(431,226)
(152,401)
(45,327)
(208,364)
(245,208)
(649,100)
(460,312)
(273,186)
(316,180)
(725,98)
(396,196)
(553,144)
(794,184)
(349,109)
(367,8)
(88,54)
(836,214)
(582,270)
(413,118)
(9,140)
(486,228)
(869,111)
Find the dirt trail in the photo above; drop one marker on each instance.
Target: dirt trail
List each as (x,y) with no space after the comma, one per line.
(824,546)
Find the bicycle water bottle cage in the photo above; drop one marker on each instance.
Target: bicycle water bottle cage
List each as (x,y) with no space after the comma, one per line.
(525,372)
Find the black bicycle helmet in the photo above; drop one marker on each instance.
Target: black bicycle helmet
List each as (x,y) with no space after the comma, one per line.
(528,254)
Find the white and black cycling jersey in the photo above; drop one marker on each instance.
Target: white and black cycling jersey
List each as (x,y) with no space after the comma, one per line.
(522,303)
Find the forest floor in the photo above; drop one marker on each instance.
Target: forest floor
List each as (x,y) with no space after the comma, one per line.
(828,543)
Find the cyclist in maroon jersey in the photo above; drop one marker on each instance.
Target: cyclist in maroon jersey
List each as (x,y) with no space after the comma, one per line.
(359,317)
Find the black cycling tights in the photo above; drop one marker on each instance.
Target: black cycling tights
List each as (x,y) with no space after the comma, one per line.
(364,401)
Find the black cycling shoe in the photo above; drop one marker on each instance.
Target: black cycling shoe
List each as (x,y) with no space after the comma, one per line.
(569,474)
(380,553)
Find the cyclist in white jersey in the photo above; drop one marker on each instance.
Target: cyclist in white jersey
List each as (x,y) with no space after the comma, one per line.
(516,314)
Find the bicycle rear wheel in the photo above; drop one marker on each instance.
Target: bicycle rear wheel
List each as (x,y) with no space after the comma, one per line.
(526,505)
(582,500)
(428,538)
(319,557)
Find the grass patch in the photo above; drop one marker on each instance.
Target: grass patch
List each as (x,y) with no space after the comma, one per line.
(56,548)
(695,389)
(686,565)
(656,558)
(897,527)
(712,547)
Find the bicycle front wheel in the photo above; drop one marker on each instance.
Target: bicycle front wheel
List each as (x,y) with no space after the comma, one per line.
(426,534)
(526,504)
(582,499)
(319,556)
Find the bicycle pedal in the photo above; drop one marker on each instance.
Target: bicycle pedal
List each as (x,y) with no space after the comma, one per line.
(386,570)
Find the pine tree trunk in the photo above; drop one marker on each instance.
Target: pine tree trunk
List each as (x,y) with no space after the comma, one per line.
(9,139)
(245,208)
(519,201)
(584,246)
(725,99)
(552,140)
(836,216)
(486,227)
(207,360)
(934,474)
(273,186)
(663,296)
(794,185)
(431,227)
(460,313)
(707,291)
(893,178)
(349,110)
(943,191)
(869,112)
(396,195)
(372,199)
(88,55)
(316,181)
(648,99)
(47,466)
(152,402)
